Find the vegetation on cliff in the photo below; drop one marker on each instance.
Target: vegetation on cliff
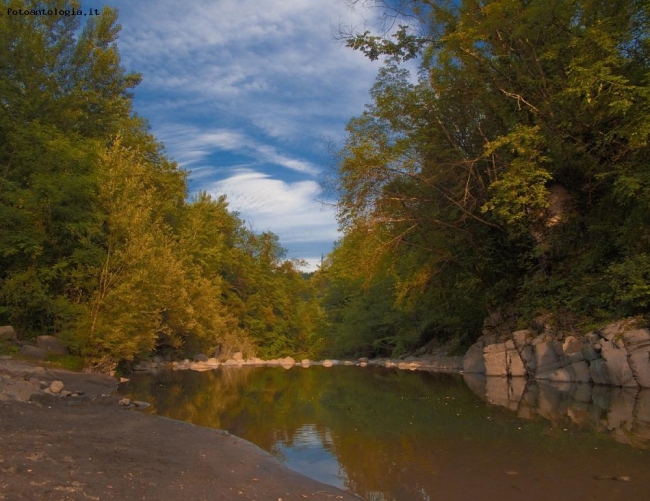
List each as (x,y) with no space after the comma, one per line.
(510,169)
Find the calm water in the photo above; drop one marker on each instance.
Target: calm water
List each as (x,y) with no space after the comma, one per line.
(391,435)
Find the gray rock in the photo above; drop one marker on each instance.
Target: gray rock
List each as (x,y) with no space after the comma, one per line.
(591,338)
(56,387)
(494,356)
(640,365)
(515,365)
(589,353)
(572,345)
(638,339)
(546,358)
(33,352)
(473,362)
(528,357)
(610,331)
(51,345)
(599,372)
(7,333)
(522,338)
(620,373)
(579,372)
(571,358)
(200,358)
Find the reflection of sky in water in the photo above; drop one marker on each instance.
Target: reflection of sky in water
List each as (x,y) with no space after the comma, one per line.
(309,453)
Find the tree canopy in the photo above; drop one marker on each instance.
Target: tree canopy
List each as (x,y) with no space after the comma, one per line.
(510,171)
(100,244)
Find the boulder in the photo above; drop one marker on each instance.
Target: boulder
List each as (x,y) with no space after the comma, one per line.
(640,366)
(515,364)
(572,344)
(635,340)
(611,331)
(305,362)
(200,366)
(33,352)
(238,356)
(589,353)
(287,362)
(620,373)
(232,362)
(579,372)
(51,345)
(599,372)
(212,362)
(200,357)
(7,333)
(494,356)
(522,338)
(56,387)
(546,357)
(473,362)
(527,354)
(327,363)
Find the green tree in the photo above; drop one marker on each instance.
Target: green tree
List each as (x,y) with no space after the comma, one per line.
(512,168)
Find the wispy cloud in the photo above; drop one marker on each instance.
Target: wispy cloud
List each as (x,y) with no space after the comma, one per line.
(294,211)
(190,145)
(243,93)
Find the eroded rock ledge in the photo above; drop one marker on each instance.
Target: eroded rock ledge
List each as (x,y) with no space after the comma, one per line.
(615,355)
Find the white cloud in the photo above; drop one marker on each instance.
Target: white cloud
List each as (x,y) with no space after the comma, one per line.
(275,63)
(237,88)
(293,211)
(190,145)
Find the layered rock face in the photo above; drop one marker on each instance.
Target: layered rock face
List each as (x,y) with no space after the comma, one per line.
(615,355)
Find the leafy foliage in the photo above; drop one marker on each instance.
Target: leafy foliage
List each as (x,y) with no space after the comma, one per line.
(99,242)
(510,172)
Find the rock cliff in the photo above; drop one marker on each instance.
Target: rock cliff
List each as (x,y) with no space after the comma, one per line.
(615,355)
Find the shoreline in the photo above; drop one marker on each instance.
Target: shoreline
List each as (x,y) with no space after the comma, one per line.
(89,447)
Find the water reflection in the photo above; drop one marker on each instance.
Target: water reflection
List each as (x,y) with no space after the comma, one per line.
(390,435)
(622,412)
(310,452)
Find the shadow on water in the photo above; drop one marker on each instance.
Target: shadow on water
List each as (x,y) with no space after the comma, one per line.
(391,435)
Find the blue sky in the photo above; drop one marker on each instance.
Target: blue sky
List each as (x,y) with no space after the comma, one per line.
(246,95)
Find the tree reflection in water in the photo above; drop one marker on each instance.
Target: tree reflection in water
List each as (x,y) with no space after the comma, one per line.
(391,435)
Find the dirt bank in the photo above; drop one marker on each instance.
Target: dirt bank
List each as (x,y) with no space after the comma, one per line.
(86,446)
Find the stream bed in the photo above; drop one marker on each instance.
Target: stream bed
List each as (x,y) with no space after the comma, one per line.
(394,435)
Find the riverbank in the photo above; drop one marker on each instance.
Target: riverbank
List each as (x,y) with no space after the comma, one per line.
(82,445)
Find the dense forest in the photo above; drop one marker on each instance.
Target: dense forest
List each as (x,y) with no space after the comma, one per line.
(100,244)
(501,165)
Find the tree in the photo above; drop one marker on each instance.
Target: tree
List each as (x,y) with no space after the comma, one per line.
(506,172)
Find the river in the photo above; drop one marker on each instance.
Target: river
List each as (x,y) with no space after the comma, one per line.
(395,435)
